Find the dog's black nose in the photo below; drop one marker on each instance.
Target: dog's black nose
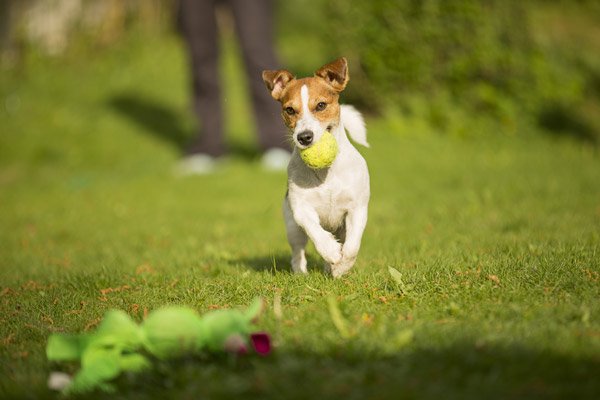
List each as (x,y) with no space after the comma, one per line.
(305,138)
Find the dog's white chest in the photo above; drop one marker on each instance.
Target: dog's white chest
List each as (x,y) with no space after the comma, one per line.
(332,198)
(331,204)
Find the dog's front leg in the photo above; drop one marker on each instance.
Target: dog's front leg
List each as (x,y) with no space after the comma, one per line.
(356,220)
(325,243)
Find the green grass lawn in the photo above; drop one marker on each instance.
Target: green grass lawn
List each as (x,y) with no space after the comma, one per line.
(497,239)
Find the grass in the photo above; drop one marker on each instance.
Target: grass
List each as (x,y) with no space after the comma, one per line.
(496,238)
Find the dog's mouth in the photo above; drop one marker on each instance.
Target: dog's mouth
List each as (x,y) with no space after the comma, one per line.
(301,146)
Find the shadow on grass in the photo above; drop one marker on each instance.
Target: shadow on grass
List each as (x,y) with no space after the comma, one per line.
(242,150)
(153,117)
(274,263)
(159,120)
(459,371)
(562,121)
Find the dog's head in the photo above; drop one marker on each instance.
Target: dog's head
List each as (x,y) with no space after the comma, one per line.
(309,105)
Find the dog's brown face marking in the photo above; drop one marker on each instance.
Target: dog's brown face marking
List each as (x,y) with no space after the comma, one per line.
(309,103)
(322,102)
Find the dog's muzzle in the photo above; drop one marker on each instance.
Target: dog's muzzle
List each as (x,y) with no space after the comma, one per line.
(305,137)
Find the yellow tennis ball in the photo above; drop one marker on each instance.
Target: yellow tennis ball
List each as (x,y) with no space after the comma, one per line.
(322,153)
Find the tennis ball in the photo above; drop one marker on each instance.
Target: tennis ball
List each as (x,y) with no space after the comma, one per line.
(322,153)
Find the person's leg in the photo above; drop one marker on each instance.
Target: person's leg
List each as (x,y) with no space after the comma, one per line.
(253,20)
(197,22)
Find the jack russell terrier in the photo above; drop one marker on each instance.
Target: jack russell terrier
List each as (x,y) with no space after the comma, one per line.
(327,205)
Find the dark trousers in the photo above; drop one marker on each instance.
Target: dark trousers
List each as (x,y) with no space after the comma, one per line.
(197,22)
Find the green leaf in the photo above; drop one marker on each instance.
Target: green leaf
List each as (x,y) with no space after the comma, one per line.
(254,309)
(337,318)
(403,338)
(397,277)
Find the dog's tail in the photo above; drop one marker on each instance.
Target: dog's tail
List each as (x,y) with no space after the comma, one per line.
(354,124)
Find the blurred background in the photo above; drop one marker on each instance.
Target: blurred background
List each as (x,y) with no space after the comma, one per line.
(461,67)
(484,124)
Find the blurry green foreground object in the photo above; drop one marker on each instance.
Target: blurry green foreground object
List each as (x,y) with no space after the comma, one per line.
(120,345)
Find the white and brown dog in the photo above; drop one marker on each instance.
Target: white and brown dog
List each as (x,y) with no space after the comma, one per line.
(327,205)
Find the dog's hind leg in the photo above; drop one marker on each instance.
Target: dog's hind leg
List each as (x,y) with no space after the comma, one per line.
(297,239)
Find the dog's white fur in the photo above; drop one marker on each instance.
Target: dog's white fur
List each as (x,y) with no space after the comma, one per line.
(329,206)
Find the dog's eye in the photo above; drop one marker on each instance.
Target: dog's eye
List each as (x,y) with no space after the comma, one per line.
(321,106)
(290,111)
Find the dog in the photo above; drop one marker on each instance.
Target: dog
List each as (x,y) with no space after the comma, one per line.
(328,205)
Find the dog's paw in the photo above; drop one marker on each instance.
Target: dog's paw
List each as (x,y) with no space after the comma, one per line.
(333,255)
(343,266)
(331,252)
(349,256)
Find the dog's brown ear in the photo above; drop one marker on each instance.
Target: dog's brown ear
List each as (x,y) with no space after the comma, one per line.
(276,81)
(335,73)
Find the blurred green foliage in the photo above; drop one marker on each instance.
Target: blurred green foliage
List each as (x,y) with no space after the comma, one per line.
(459,66)
(445,61)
